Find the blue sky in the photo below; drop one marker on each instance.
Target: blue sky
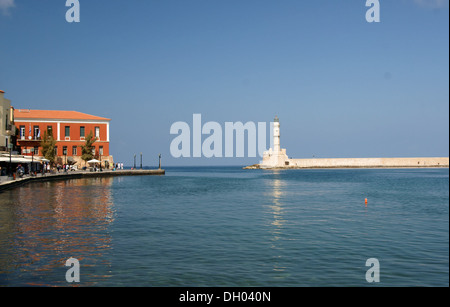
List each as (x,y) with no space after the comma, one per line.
(342,87)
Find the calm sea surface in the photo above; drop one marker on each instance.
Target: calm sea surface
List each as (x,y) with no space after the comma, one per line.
(223,226)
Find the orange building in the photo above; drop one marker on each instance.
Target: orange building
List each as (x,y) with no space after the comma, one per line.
(69,128)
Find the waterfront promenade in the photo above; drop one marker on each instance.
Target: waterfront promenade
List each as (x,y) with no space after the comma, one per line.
(6,184)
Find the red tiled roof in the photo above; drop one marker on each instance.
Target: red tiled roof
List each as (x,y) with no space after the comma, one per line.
(50,114)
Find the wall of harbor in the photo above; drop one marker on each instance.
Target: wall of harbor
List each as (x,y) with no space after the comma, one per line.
(9,184)
(366,163)
(358,163)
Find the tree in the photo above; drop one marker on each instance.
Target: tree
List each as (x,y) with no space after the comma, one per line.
(88,147)
(48,144)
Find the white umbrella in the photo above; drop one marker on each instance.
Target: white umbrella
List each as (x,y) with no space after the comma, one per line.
(45,160)
(93,161)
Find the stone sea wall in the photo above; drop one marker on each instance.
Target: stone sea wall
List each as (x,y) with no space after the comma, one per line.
(9,184)
(362,163)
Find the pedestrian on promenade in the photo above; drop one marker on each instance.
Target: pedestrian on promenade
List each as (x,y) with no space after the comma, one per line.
(20,170)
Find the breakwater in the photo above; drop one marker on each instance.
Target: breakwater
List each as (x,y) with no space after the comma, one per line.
(10,184)
(359,163)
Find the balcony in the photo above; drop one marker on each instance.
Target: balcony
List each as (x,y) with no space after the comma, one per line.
(29,139)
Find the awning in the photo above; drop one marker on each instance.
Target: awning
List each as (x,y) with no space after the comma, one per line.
(17,160)
(20,160)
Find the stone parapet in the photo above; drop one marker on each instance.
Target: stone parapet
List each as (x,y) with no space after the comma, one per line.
(363,163)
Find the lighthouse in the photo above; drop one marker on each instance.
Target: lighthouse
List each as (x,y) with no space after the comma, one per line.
(276,135)
(276,156)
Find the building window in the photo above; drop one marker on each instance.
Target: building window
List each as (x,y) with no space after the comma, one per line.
(74,150)
(49,130)
(36,132)
(36,150)
(56,150)
(22,132)
(97,132)
(93,151)
(82,133)
(67,131)
(65,150)
(100,150)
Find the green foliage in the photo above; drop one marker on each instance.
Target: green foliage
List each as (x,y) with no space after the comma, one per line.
(48,144)
(87,148)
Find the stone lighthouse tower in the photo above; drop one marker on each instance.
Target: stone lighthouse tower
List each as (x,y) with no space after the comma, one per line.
(276,156)
(276,135)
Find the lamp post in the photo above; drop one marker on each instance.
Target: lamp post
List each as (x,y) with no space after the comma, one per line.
(134,162)
(10,146)
(65,158)
(25,150)
(141,160)
(32,160)
(159,161)
(10,163)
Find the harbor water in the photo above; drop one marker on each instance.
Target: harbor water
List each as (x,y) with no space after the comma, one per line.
(224,226)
